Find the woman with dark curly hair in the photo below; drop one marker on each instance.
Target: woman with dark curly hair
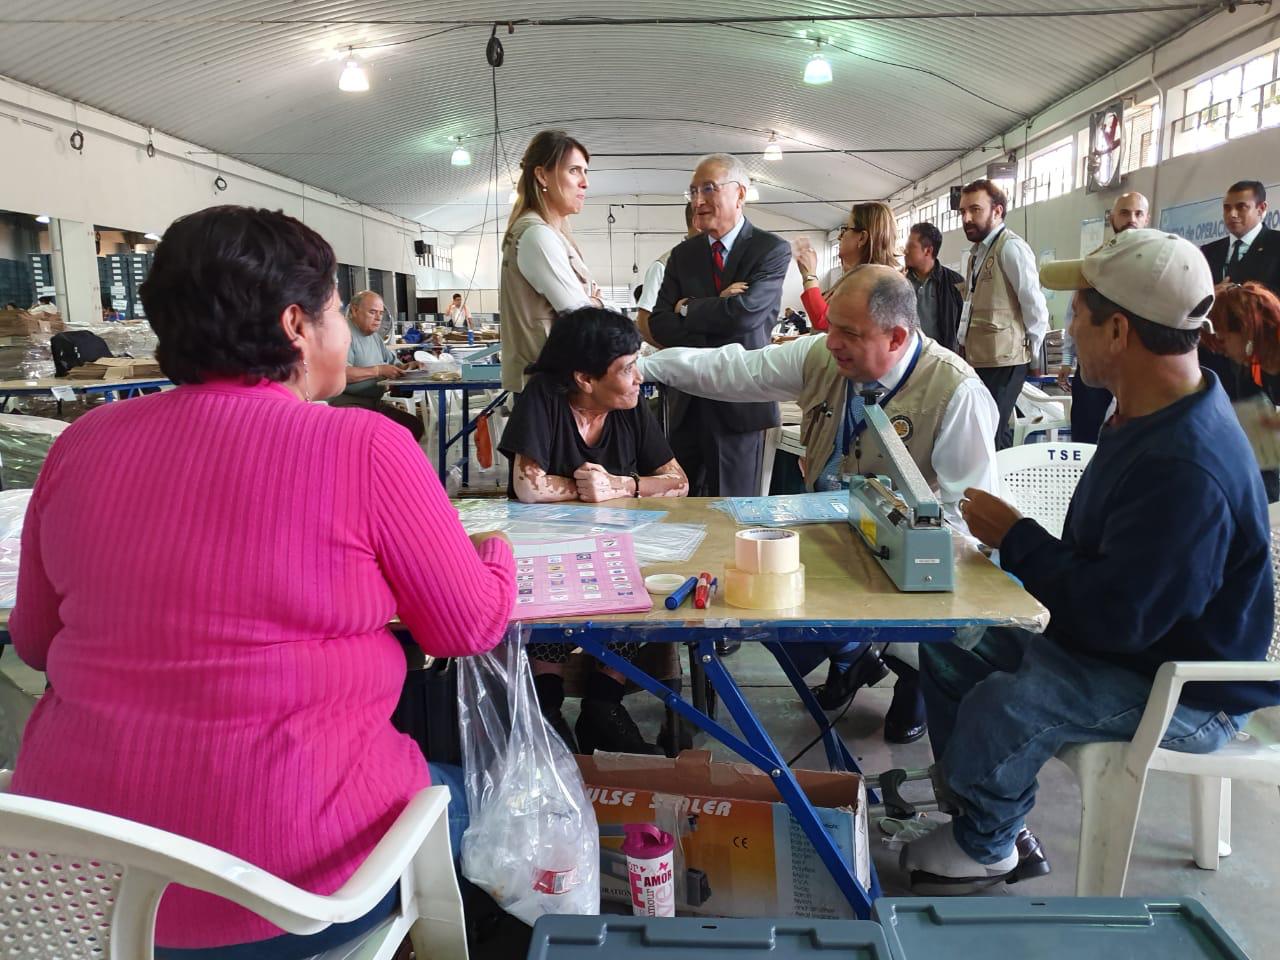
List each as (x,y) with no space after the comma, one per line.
(206,579)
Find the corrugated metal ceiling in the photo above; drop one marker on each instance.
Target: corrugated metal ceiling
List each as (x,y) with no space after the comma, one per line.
(221,73)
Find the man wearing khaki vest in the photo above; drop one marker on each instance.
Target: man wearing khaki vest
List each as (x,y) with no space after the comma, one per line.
(1004,318)
(941,410)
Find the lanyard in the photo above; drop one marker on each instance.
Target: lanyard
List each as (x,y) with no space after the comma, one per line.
(973,279)
(850,434)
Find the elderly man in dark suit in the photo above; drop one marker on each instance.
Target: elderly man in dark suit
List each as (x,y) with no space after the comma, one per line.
(722,286)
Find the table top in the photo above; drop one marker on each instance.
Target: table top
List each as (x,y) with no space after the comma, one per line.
(48,383)
(843,582)
(410,382)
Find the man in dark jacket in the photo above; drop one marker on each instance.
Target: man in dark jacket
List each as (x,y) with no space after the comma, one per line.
(939,290)
(720,287)
(1165,555)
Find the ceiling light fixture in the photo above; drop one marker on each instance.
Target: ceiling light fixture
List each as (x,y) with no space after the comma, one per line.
(43,218)
(773,150)
(155,237)
(460,158)
(353,79)
(817,71)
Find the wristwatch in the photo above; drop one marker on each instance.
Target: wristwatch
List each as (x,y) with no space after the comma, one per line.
(809,276)
(684,310)
(635,478)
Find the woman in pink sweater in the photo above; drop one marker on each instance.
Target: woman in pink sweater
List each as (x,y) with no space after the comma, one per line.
(207,576)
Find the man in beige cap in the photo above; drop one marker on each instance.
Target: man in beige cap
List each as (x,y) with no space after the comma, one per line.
(1165,556)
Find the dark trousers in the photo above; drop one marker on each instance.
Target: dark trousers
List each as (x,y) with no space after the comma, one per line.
(1088,410)
(1004,384)
(718,464)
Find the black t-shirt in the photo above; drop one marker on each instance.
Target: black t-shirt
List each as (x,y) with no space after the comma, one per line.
(542,428)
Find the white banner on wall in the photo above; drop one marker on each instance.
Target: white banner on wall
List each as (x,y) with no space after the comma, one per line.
(1201,221)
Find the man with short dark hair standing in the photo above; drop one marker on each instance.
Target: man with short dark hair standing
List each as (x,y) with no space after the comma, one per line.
(1250,251)
(722,287)
(1005,318)
(1165,556)
(939,289)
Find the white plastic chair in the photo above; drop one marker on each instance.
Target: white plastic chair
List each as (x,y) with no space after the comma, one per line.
(1039,479)
(1036,411)
(95,898)
(1113,775)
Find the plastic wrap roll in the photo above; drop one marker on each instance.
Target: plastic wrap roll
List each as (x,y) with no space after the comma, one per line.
(761,550)
(764,591)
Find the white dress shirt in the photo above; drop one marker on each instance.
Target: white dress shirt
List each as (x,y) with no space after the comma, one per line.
(729,239)
(963,455)
(1019,266)
(652,283)
(542,256)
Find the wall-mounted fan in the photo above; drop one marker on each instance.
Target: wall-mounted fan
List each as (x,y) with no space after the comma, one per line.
(1106,148)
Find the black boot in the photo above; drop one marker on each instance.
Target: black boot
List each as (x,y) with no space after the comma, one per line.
(842,685)
(905,720)
(604,723)
(550,689)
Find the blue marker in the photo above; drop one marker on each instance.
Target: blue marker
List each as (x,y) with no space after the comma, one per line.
(681,593)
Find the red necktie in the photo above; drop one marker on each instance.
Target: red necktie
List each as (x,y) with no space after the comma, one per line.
(717,264)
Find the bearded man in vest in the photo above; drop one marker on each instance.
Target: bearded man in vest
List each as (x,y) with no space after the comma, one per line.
(939,407)
(1004,318)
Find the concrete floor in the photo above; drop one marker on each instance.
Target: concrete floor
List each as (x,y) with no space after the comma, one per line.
(1243,894)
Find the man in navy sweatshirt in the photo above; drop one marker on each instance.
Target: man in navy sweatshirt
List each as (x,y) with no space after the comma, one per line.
(1164,556)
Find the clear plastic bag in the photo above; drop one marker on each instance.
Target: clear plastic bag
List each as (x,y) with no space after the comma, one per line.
(533,843)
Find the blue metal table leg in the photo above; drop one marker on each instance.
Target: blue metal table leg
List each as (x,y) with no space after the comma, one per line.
(838,755)
(442,433)
(466,446)
(859,897)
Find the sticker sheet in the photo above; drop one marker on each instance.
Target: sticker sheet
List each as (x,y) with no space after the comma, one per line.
(590,576)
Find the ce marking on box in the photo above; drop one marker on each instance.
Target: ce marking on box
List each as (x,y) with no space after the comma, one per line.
(740,842)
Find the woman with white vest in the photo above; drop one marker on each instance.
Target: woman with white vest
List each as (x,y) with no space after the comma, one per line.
(542,272)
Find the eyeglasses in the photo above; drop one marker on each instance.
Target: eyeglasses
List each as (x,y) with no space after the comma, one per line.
(845,228)
(708,189)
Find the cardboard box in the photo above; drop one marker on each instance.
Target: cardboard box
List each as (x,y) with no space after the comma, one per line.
(20,323)
(115,368)
(745,855)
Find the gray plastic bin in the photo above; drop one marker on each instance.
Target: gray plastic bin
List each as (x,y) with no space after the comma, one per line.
(682,938)
(1057,928)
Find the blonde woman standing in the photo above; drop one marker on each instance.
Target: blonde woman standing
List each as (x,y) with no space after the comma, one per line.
(542,272)
(868,236)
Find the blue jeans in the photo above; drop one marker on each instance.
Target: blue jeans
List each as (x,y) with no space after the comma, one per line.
(998,712)
(809,656)
(292,946)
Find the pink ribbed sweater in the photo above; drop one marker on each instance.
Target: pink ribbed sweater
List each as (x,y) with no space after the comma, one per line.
(206,578)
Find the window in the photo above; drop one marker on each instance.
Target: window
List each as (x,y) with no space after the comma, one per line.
(1050,172)
(1235,102)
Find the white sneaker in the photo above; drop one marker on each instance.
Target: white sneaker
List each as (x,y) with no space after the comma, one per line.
(938,867)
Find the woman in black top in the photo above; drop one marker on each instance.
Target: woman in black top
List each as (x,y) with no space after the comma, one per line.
(1246,321)
(580,432)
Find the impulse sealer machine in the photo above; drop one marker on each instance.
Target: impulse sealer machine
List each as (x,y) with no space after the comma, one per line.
(898,516)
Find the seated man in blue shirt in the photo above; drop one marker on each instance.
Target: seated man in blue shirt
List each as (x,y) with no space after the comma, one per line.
(1164,556)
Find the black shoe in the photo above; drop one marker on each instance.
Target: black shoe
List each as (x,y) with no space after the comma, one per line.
(607,726)
(840,687)
(1032,861)
(905,720)
(726,648)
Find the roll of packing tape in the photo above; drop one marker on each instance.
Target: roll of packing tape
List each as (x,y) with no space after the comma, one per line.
(661,584)
(761,550)
(764,591)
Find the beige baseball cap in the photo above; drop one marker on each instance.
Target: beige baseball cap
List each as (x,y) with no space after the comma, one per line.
(1155,275)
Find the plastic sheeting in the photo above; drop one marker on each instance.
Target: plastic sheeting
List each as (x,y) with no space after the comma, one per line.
(24,445)
(13,510)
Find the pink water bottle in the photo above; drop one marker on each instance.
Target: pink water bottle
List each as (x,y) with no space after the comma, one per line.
(651,867)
